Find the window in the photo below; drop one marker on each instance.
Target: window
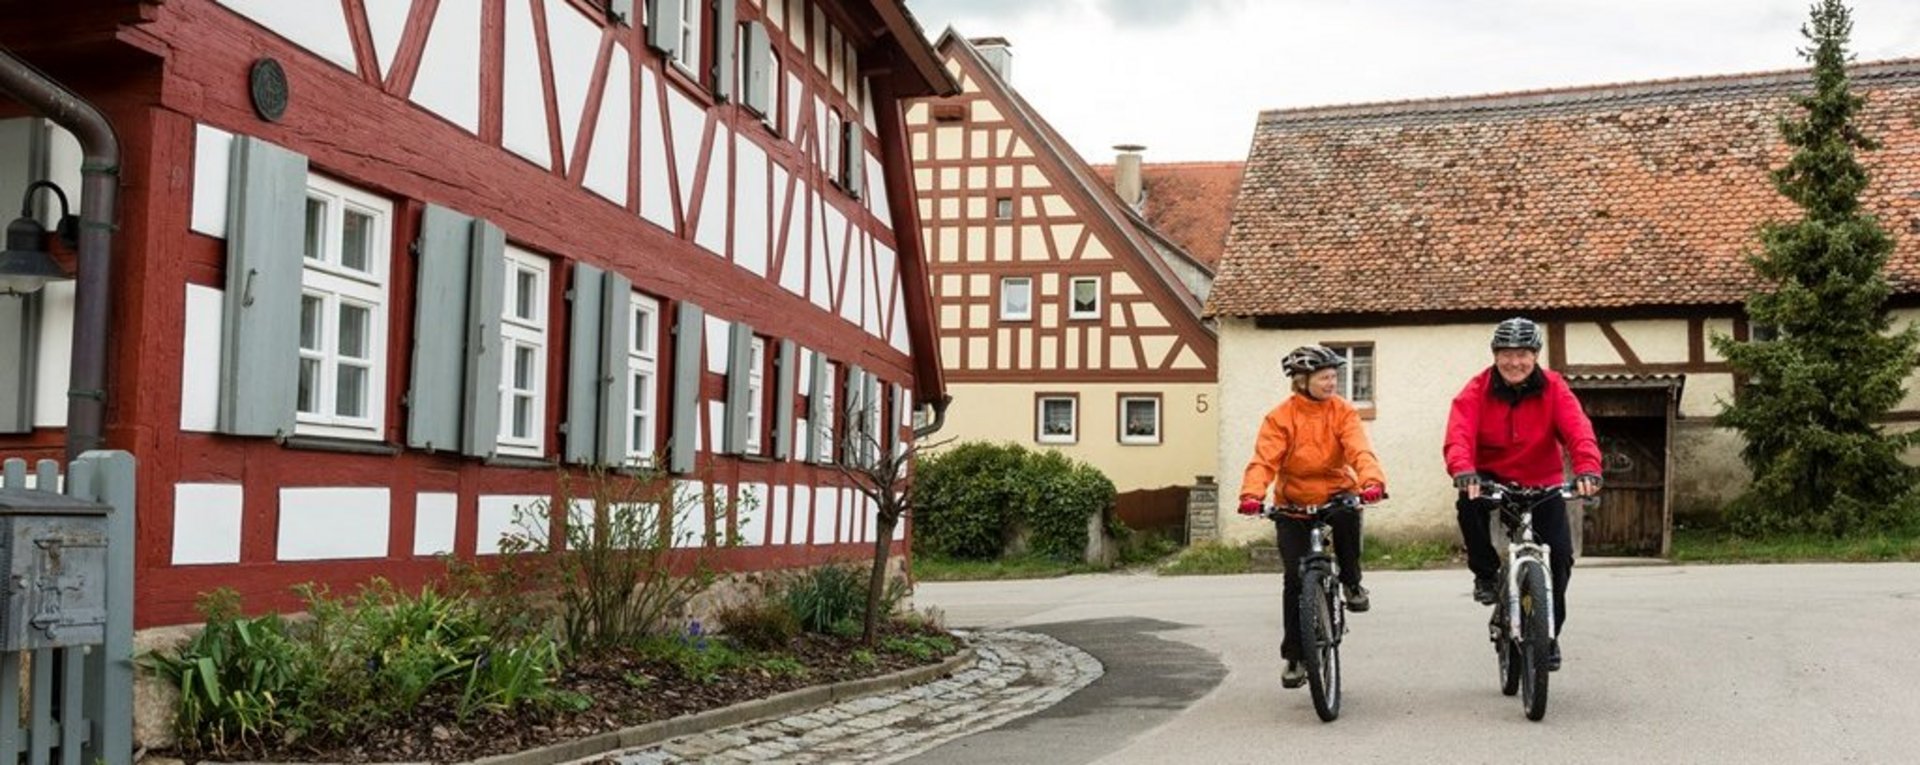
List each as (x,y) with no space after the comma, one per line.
(643,380)
(1356,378)
(823,430)
(1139,418)
(1016,298)
(756,394)
(1084,298)
(831,140)
(343,312)
(1003,208)
(687,53)
(523,351)
(1058,419)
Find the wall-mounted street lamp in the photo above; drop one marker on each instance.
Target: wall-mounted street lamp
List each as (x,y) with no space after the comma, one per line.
(26,266)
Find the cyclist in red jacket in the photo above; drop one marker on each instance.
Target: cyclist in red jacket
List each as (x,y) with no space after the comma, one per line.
(1511,424)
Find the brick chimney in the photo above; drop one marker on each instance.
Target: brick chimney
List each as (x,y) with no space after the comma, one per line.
(1126,174)
(999,55)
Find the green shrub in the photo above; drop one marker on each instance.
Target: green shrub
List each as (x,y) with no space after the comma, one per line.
(234,678)
(967,498)
(824,597)
(1065,494)
(761,624)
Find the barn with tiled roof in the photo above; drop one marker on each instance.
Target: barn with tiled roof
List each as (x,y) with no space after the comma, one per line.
(1619,216)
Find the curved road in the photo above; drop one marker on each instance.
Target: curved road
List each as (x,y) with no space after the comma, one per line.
(1789,663)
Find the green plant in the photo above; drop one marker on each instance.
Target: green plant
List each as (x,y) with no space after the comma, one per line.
(1209,558)
(693,654)
(760,624)
(825,596)
(781,666)
(238,679)
(1065,494)
(967,498)
(919,647)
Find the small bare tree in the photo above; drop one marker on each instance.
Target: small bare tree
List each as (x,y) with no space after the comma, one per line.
(884,476)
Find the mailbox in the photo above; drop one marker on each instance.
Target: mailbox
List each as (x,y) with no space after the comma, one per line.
(53,553)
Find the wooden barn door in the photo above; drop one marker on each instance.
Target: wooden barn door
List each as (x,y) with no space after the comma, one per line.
(1634,426)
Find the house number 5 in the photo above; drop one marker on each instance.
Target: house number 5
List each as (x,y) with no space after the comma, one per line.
(1200,403)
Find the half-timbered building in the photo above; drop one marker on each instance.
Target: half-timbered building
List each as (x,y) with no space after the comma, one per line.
(1618,216)
(1066,321)
(383,268)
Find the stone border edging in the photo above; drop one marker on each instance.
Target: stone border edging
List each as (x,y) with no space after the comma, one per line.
(773,706)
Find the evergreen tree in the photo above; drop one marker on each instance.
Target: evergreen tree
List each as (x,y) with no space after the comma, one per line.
(1817,389)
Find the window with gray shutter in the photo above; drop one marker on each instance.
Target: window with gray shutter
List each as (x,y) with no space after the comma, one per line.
(663,26)
(725,32)
(853,153)
(688,334)
(437,398)
(783,387)
(820,412)
(853,401)
(757,84)
(486,299)
(616,333)
(621,11)
(260,334)
(586,363)
(739,391)
(23,160)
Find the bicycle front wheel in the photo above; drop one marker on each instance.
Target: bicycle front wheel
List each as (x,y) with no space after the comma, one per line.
(1536,639)
(1320,640)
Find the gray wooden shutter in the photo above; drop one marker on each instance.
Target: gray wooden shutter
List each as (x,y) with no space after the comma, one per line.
(616,338)
(663,26)
(621,11)
(725,31)
(854,152)
(688,332)
(438,388)
(586,357)
(486,298)
(739,395)
(855,407)
(819,414)
(757,86)
(260,336)
(784,379)
(23,160)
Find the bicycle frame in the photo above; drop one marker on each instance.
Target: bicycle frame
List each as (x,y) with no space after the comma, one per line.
(1523,549)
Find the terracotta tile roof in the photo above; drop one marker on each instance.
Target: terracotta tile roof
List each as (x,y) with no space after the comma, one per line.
(1188,203)
(1644,194)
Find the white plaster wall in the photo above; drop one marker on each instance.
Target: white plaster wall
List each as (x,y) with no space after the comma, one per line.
(656,189)
(688,130)
(719,341)
(751,209)
(689,516)
(387,21)
(200,360)
(435,515)
(1006,412)
(212,154)
(318,27)
(794,264)
(448,83)
(574,42)
(523,125)
(330,523)
(800,523)
(206,523)
(826,515)
(779,514)
(609,161)
(710,231)
(496,518)
(751,514)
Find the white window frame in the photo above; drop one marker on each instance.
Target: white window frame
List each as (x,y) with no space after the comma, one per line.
(1159,420)
(1040,434)
(1352,352)
(335,285)
(643,363)
(692,17)
(823,432)
(524,332)
(756,393)
(1073,289)
(1006,283)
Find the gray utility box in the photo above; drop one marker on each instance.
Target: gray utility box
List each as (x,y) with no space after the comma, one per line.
(53,552)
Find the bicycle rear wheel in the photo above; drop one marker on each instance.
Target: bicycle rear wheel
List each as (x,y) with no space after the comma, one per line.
(1320,640)
(1536,639)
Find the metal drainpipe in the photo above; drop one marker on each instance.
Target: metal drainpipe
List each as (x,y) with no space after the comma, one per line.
(99,185)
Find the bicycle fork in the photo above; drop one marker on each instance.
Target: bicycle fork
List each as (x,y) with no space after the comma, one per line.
(1521,558)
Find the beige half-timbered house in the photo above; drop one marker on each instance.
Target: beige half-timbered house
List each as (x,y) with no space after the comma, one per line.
(1066,322)
(1618,216)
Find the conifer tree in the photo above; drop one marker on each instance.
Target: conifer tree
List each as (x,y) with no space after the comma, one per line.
(1817,389)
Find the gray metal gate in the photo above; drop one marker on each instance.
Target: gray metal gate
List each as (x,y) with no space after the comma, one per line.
(66,612)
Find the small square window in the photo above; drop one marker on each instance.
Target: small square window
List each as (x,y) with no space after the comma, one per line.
(1139,419)
(1356,378)
(1084,298)
(1016,298)
(1003,208)
(1058,419)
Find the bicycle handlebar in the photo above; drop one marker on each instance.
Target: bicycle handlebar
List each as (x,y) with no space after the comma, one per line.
(1339,503)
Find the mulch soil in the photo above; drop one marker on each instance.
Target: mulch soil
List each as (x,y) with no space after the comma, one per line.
(627,690)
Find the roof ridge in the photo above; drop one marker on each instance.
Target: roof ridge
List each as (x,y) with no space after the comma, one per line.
(1524,100)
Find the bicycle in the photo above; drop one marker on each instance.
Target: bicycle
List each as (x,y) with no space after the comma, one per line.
(1323,603)
(1522,625)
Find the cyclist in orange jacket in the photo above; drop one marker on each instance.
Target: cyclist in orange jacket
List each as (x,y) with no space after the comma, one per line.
(1313,444)
(1511,423)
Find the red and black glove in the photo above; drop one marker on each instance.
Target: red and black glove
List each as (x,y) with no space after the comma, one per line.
(1250,506)
(1372,493)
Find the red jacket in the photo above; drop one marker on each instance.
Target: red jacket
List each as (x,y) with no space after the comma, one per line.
(1519,438)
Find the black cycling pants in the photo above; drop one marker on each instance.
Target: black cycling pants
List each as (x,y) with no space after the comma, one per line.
(1549,526)
(1294,542)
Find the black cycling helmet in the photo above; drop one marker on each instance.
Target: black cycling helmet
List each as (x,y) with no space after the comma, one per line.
(1308,359)
(1517,332)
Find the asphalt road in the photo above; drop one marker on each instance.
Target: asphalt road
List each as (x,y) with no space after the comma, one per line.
(1737,664)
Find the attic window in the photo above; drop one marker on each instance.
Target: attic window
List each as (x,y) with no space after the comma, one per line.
(949,112)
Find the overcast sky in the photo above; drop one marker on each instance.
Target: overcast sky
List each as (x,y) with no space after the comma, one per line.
(1188,78)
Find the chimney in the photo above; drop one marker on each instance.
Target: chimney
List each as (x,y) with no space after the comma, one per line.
(999,55)
(1126,174)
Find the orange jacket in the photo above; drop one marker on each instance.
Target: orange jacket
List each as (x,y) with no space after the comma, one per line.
(1316,448)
